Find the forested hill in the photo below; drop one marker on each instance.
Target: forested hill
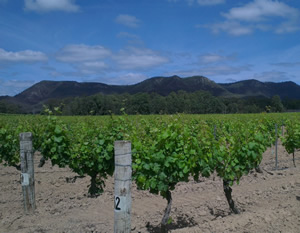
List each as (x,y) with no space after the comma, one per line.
(45,90)
(252,87)
(33,98)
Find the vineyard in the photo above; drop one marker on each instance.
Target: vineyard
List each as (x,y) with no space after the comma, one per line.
(183,167)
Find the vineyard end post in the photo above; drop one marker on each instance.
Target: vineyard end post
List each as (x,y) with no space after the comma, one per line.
(27,172)
(122,176)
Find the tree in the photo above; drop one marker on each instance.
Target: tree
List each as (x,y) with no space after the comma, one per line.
(276,104)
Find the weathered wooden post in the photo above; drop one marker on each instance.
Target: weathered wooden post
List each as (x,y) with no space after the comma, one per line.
(123,171)
(27,172)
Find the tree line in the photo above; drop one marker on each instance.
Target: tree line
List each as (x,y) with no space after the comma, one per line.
(199,102)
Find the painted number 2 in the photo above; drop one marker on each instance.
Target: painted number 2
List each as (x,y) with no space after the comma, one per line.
(117,203)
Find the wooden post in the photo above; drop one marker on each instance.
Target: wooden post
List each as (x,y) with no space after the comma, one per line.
(276,142)
(123,171)
(27,172)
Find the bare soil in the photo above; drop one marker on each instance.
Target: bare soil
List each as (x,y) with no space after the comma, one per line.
(269,202)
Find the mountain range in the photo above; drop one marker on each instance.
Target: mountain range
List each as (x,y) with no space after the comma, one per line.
(35,96)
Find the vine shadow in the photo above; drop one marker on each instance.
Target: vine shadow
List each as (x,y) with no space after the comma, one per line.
(181,221)
(218,212)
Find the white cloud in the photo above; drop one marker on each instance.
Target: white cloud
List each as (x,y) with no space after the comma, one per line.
(128,35)
(89,60)
(213,58)
(85,69)
(264,15)
(231,27)
(92,67)
(21,56)
(139,58)
(82,53)
(273,76)
(259,10)
(224,70)
(95,65)
(286,27)
(128,20)
(201,2)
(51,5)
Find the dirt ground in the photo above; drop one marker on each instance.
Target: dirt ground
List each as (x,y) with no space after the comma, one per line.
(269,202)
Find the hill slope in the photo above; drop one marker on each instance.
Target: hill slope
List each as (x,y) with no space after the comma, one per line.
(166,85)
(45,90)
(253,87)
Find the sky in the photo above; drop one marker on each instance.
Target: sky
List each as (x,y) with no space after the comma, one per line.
(127,41)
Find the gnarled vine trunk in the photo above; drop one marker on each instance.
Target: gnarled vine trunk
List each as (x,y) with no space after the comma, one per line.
(164,222)
(42,162)
(93,190)
(228,191)
(294,159)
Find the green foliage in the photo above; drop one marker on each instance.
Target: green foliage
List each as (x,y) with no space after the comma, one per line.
(86,148)
(9,150)
(276,104)
(55,142)
(239,150)
(9,107)
(198,102)
(93,152)
(167,156)
(166,149)
(291,140)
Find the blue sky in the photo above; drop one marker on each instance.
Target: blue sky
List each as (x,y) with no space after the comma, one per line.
(128,41)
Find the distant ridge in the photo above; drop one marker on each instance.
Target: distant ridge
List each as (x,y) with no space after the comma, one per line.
(254,87)
(39,93)
(165,85)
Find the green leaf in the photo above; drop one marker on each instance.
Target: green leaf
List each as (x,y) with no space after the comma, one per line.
(58,129)
(58,139)
(147,166)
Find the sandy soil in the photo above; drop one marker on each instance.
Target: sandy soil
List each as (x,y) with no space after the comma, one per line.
(269,202)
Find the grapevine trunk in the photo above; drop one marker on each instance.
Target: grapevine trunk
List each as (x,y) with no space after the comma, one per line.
(164,222)
(294,159)
(42,162)
(94,189)
(228,191)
